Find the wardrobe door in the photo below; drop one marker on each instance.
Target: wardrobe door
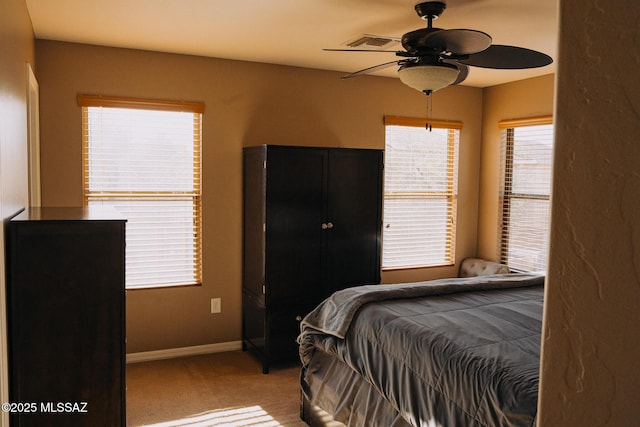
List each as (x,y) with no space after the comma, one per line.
(254,219)
(294,245)
(355,214)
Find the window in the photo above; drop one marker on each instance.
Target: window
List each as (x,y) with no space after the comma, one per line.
(420,181)
(524,193)
(143,158)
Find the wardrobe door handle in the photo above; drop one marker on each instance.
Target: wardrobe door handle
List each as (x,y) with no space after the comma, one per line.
(329,225)
(324,226)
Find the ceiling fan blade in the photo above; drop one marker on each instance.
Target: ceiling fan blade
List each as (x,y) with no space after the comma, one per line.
(459,41)
(359,50)
(436,40)
(507,58)
(369,70)
(462,68)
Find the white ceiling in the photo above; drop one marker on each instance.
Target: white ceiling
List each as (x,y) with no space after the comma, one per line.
(292,32)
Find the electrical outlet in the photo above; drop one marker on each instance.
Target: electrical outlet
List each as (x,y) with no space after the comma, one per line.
(216,305)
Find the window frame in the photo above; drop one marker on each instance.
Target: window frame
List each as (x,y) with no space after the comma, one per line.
(197,108)
(451,194)
(506,193)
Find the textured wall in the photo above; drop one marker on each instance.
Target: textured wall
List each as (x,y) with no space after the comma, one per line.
(591,339)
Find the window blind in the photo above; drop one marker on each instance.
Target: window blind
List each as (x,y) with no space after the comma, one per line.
(420,196)
(525,189)
(144,160)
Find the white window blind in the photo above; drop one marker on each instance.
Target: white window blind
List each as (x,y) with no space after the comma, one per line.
(420,196)
(527,148)
(143,158)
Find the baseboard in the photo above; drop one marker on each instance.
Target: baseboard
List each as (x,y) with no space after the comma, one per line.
(195,350)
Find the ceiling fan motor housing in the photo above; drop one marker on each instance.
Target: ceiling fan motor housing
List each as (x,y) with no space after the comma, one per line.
(430,9)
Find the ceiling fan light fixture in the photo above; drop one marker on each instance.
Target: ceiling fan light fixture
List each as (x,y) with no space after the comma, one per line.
(428,78)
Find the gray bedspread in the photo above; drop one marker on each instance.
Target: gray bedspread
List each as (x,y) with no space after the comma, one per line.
(451,352)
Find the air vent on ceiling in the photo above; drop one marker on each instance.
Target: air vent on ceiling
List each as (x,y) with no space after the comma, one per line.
(368,41)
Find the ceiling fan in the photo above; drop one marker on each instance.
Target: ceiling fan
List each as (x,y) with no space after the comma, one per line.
(435,58)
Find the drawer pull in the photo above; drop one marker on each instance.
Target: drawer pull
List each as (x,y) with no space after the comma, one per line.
(298,318)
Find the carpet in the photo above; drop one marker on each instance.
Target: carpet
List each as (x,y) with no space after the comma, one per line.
(221,389)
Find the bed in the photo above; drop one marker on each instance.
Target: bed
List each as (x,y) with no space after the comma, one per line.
(449,352)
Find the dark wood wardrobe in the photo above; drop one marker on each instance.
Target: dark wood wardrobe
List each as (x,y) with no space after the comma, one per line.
(312,225)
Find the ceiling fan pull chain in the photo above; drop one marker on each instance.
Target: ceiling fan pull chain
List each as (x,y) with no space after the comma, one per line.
(429,112)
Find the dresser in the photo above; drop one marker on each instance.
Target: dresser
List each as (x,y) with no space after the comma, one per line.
(66,316)
(312,225)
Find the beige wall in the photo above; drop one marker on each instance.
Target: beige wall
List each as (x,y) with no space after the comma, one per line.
(245,104)
(591,333)
(16,50)
(522,99)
